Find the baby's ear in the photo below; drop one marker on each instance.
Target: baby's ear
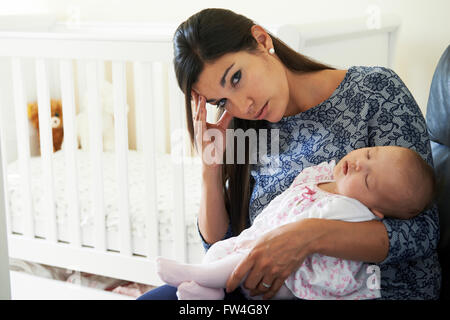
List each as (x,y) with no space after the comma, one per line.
(377,213)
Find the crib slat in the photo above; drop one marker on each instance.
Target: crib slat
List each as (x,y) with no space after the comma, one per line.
(101,72)
(3,167)
(143,83)
(176,126)
(70,147)
(121,137)
(46,144)
(23,146)
(5,288)
(96,151)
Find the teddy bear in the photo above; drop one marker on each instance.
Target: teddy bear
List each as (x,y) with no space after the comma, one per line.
(56,121)
(82,122)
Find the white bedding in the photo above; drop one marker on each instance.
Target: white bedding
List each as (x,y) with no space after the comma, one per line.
(192,182)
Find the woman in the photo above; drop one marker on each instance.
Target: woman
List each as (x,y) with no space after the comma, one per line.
(321,113)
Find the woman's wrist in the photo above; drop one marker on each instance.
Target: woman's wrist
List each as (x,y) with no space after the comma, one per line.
(359,241)
(211,172)
(213,218)
(323,234)
(314,230)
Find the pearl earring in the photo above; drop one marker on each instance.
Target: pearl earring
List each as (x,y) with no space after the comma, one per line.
(271,50)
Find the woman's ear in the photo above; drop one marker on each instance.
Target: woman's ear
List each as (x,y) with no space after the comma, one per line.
(262,37)
(377,213)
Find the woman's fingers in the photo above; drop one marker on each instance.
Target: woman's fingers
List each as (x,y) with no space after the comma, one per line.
(202,110)
(225,120)
(196,109)
(197,102)
(239,274)
(194,96)
(199,120)
(254,278)
(274,288)
(264,286)
(209,137)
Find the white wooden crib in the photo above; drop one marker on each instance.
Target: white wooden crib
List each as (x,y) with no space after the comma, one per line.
(49,219)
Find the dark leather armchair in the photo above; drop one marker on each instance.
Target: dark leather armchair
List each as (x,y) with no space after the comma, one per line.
(438,122)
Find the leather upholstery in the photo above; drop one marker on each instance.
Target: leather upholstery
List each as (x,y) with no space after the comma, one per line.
(438,122)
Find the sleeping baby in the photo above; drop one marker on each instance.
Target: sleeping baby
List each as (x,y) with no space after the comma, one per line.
(368,183)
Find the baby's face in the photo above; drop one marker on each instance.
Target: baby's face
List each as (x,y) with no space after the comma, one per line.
(370,175)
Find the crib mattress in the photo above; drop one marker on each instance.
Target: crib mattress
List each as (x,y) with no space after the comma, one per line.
(165,198)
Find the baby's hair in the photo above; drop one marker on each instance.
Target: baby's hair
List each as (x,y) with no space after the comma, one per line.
(427,181)
(433,185)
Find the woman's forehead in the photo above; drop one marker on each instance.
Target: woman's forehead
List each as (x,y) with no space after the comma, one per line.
(206,85)
(215,73)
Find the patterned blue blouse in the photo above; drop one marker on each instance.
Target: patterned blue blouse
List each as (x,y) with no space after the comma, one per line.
(371,106)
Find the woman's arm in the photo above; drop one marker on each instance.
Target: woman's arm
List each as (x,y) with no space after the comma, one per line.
(282,251)
(360,241)
(213,221)
(414,238)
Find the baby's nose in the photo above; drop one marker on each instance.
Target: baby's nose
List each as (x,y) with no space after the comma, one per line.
(361,165)
(355,166)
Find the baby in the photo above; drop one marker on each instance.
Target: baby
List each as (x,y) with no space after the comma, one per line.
(366,184)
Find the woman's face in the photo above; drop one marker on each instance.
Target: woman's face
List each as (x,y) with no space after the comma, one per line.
(248,85)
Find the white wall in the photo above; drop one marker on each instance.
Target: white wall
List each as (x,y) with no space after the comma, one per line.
(424,35)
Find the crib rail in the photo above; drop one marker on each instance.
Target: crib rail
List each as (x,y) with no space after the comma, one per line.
(92,52)
(85,47)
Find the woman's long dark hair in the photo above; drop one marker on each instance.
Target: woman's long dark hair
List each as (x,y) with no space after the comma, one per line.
(205,37)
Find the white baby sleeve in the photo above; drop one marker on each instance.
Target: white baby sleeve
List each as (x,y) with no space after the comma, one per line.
(338,207)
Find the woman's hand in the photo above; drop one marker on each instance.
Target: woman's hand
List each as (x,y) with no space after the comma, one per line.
(274,257)
(211,152)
